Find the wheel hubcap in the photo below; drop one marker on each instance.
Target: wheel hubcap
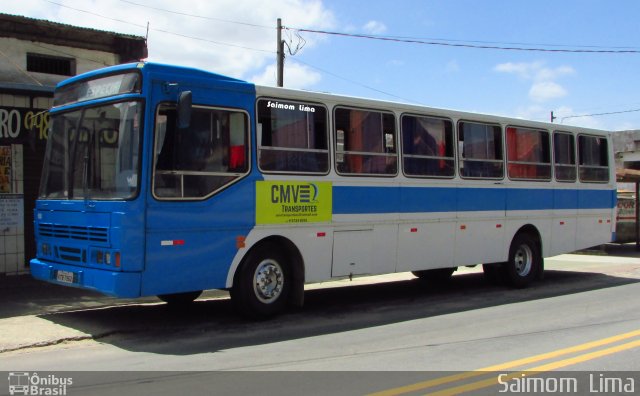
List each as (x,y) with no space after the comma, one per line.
(268,281)
(523,260)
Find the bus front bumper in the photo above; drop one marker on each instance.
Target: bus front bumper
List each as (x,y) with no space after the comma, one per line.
(113,283)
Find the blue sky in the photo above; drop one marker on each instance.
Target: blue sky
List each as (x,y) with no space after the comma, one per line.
(523,84)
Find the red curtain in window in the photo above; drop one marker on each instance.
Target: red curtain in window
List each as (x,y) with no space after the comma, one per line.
(521,148)
(355,143)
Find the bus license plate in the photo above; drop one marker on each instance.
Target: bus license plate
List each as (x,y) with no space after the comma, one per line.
(65,276)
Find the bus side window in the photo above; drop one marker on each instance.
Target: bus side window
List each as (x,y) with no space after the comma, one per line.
(427,149)
(365,142)
(481,155)
(528,154)
(593,159)
(564,154)
(293,137)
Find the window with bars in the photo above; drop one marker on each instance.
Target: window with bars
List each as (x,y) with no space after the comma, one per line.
(50,64)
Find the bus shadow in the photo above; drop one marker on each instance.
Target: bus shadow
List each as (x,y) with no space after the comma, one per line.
(212,325)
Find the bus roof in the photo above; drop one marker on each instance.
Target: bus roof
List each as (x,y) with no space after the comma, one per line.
(147,67)
(328,98)
(413,108)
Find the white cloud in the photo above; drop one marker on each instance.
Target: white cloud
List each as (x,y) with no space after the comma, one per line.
(375,27)
(296,76)
(544,85)
(534,70)
(209,42)
(546,73)
(522,70)
(546,90)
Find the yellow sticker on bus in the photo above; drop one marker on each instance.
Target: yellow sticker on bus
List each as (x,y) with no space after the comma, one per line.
(282,202)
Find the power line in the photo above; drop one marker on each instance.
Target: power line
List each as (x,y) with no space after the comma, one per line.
(598,114)
(197,16)
(95,14)
(20,69)
(212,41)
(160,30)
(70,54)
(357,83)
(503,43)
(451,43)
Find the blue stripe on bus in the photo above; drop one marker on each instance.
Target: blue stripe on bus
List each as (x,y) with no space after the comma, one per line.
(595,199)
(367,200)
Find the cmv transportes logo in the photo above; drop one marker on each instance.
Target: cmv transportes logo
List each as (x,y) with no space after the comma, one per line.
(24,383)
(296,194)
(280,202)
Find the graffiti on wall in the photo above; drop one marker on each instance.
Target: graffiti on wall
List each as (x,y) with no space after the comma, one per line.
(15,123)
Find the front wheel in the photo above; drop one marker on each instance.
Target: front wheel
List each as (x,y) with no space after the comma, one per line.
(261,286)
(525,261)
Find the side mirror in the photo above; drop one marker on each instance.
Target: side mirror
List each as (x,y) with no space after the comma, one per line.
(184,110)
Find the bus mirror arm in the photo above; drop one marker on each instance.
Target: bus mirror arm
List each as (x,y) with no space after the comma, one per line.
(184,109)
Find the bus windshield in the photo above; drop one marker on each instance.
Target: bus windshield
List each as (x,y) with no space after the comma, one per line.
(93,153)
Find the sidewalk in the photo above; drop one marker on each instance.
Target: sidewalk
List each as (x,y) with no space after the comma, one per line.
(23,295)
(23,299)
(25,303)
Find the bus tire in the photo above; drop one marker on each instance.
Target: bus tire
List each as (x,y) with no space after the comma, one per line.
(177,299)
(262,284)
(437,276)
(525,261)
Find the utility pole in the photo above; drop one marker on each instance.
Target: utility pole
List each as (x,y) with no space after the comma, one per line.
(553,117)
(280,55)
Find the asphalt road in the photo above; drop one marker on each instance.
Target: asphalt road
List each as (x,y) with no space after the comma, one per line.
(382,334)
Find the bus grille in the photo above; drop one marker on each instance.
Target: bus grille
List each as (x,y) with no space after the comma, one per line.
(94,234)
(72,254)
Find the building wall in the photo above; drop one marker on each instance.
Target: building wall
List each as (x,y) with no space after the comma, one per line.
(12,69)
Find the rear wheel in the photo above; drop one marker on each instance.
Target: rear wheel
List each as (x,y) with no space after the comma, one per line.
(180,298)
(525,261)
(262,284)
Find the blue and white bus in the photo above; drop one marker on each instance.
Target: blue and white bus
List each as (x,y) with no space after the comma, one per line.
(163,180)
